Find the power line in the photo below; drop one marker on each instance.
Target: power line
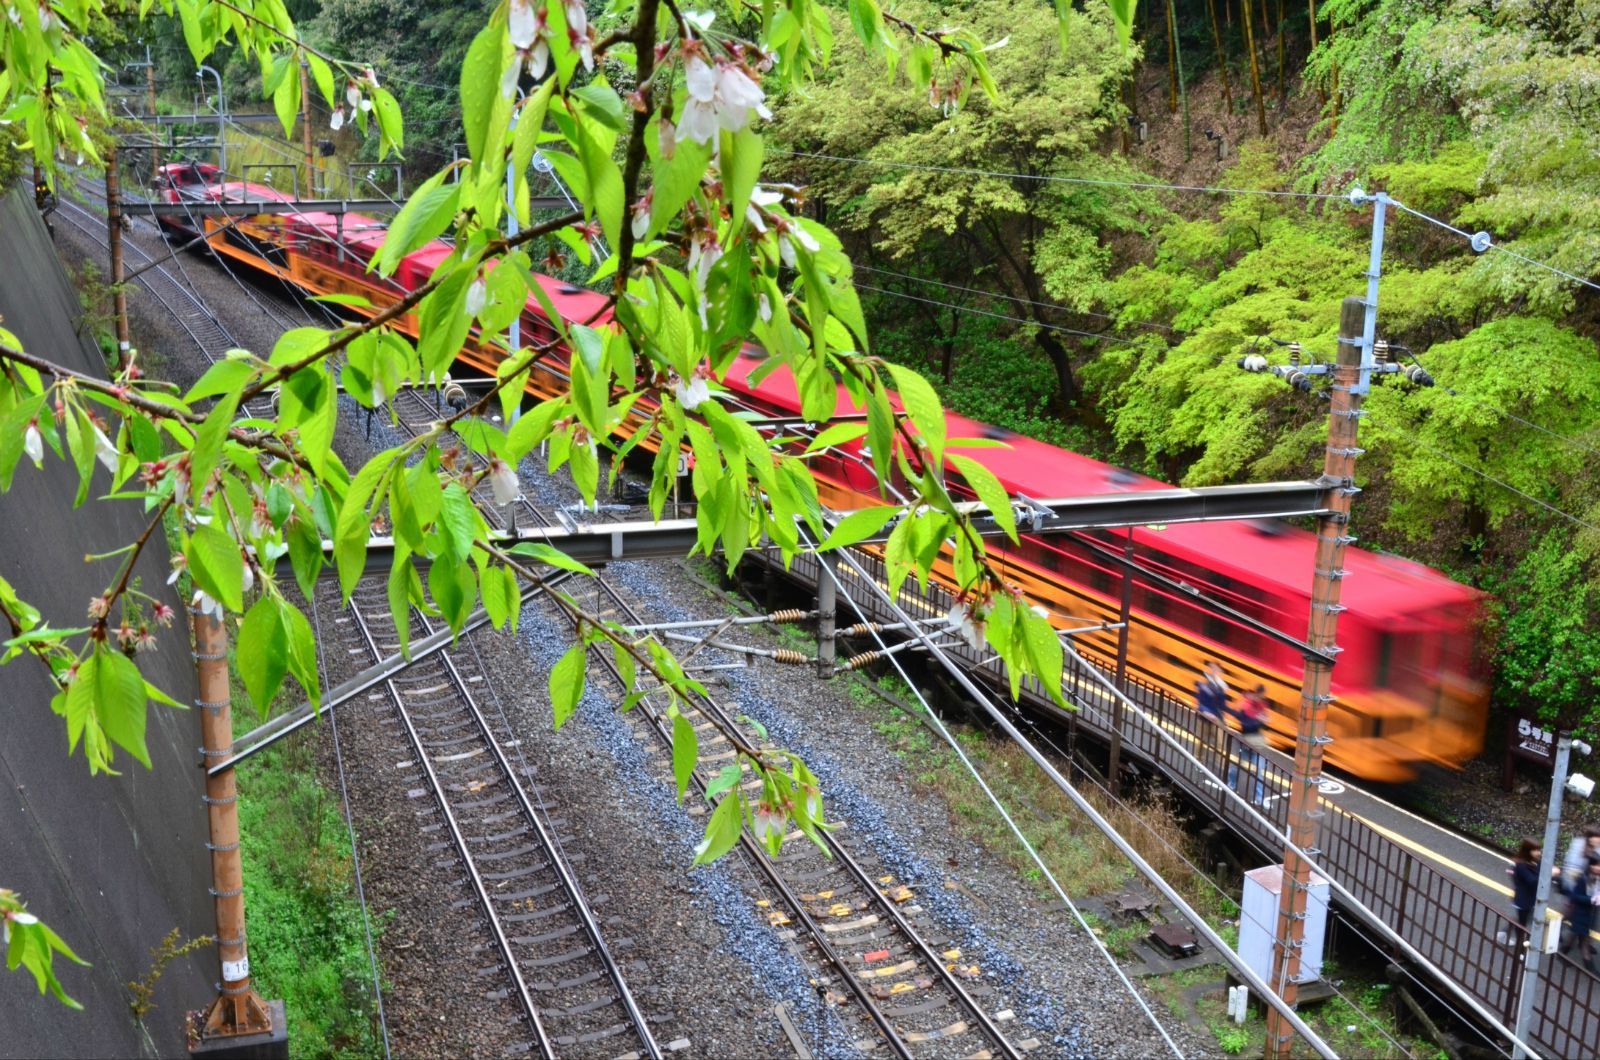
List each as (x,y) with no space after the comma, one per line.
(1016,829)
(1010,297)
(1413,440)
(998,316)
(1475,239)
(1052,179)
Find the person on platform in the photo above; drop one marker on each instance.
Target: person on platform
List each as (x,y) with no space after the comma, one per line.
(1584,847)
(1211,703)
(1585,899)
(1524,872)
(1252,717)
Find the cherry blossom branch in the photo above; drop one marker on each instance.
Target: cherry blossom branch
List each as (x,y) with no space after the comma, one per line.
(644,45)
(251,16)
(134,399)
(108,600)
(400,308)
(35,648)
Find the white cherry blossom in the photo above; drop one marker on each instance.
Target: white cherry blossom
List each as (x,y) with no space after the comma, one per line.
(477,295)
(337,121)
(722,97)
(204,604)
(691,393)
(247,580)
(503,477)
(965,624)
(105,452)
(521,23)
(759,198)
(33,443)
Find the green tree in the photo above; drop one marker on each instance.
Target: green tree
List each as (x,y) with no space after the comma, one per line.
(1548,650)
(1008,229)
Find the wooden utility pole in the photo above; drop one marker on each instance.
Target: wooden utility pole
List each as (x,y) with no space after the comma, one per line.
(1172,61)
(238,1010)
(305,127)
(1333,535)
(1255,69)
(119,299)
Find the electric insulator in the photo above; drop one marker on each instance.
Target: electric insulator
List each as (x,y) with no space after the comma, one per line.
(789,656)
(1253,362)
(1294,355)
(1417,374)
(861,629)
(1380,351)
(856,662)
(788,614)
(455,395)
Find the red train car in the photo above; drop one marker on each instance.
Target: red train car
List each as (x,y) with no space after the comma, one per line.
(1408,691)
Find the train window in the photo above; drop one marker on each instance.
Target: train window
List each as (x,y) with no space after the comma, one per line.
(1380,673)
(1155,602)
(1099,578)
(1218,628)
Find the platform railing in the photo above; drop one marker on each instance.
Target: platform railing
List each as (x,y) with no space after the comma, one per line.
(1476,943)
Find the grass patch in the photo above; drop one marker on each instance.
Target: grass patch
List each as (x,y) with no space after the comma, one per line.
(307,942)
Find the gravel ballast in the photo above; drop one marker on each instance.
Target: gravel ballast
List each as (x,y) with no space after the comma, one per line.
(702,957)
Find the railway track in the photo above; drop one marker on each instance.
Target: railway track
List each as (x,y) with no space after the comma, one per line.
(561,968)
(209,334)
(916,998)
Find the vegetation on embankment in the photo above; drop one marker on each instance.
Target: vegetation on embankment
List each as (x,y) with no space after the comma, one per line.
(308,945)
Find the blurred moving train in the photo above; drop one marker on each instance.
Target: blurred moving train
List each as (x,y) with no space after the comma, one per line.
(1409,689)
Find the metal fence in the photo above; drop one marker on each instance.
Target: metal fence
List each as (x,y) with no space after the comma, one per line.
(1474,942)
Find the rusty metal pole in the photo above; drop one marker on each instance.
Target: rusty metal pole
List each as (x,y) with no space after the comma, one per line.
(1114,767)
(119,300)
(827,613)
(150,101)
(1332,537)
(305,126)
(238,1010)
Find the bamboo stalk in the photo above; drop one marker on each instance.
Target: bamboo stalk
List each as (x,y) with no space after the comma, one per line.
(1255,69)
(1222,60)
(1172,61)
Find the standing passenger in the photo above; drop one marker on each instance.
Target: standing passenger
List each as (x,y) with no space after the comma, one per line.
(1210,702)
(1585,900)
(1525,879)
(1252,715)
(1584,845)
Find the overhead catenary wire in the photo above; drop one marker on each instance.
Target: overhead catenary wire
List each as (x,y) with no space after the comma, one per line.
(1546,505)
(1054,179)
(997,316)
(1009,297)
(1200,873)
(994,799)
(1472,238)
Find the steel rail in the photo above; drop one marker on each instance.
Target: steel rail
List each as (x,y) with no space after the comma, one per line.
(864,880)
(552,850)
(524,994)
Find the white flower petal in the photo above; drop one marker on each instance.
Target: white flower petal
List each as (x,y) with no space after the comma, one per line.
(33,444)
(693,394)
(641,224)
(503,477)
(805,239)
(539,58)
(508,80)
(477,294)
(701,80)
(24,918)
(352,94)
(763,307)
(337,121)
(521,24)
(105,452)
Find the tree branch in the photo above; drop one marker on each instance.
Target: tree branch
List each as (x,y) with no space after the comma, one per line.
(644,45)
(99,630)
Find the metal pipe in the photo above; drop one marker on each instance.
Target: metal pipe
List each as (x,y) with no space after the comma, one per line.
(222,118)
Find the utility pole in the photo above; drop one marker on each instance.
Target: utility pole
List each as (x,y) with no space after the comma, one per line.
(238,1012)
(305,126)
(1349,376)
(119,299)
(1541,901)
(150,101)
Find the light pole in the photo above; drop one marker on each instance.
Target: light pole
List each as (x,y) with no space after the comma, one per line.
(1538,928)
(222,117)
